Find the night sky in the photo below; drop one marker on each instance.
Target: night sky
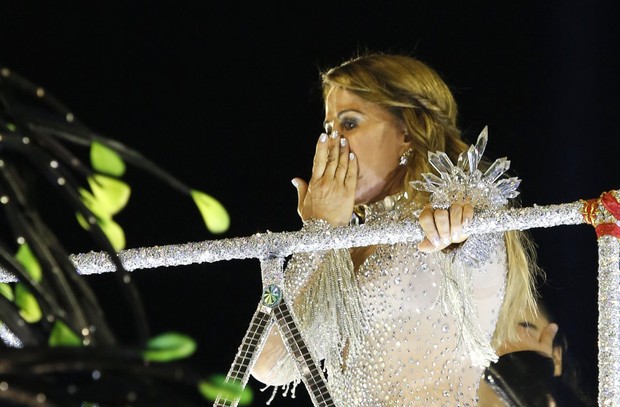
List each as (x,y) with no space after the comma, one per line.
(224,95)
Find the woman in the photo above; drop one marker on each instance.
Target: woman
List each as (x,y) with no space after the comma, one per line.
(374,314)
(535,370)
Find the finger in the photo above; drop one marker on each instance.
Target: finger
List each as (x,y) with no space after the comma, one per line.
(333,154)
(427,246)
(350,180)
(343,160)
(442,223)
(320,157)
(547,335)
(468,214)
(302,189)
(456,221)
(427,223)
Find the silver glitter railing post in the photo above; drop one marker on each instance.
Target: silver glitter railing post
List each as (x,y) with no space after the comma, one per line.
(609,321)
(282,244)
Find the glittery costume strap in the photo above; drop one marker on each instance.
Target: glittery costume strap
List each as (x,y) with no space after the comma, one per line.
(331,305)
(457,294)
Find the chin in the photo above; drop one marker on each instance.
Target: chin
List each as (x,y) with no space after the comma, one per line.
(363,197)
(359,200)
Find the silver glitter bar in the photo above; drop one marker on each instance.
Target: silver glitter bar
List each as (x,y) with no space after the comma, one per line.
(320,237)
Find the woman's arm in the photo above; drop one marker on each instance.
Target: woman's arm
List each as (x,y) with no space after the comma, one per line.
(274,365)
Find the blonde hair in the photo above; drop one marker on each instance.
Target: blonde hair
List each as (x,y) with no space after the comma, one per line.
(415,93)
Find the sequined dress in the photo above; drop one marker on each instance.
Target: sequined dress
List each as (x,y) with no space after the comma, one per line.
(409,352)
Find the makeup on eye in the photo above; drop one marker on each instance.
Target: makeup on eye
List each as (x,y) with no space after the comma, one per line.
(349,118)
(349,124)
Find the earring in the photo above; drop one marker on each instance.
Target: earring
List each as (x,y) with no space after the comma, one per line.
(404,158)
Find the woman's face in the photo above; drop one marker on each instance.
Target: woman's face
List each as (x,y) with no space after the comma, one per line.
(375,136)
(530,333)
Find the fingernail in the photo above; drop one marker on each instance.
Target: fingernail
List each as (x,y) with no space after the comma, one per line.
(554,327)
(436,241)
(466,222)
(295,182)
(446,240)
(334,134)
(343,142)
(323,138)
(351,156)
(455,236)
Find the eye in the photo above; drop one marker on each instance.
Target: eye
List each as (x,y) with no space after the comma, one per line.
(349,124)
(527,325)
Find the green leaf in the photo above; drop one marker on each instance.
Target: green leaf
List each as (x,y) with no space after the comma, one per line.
(114,232)
(27,303)
(96,207)
(61,335)
(82,221)
(213,213)
(217,386)
(29,261)
(169,346)
(7,291)
(110,195)
(106,160)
